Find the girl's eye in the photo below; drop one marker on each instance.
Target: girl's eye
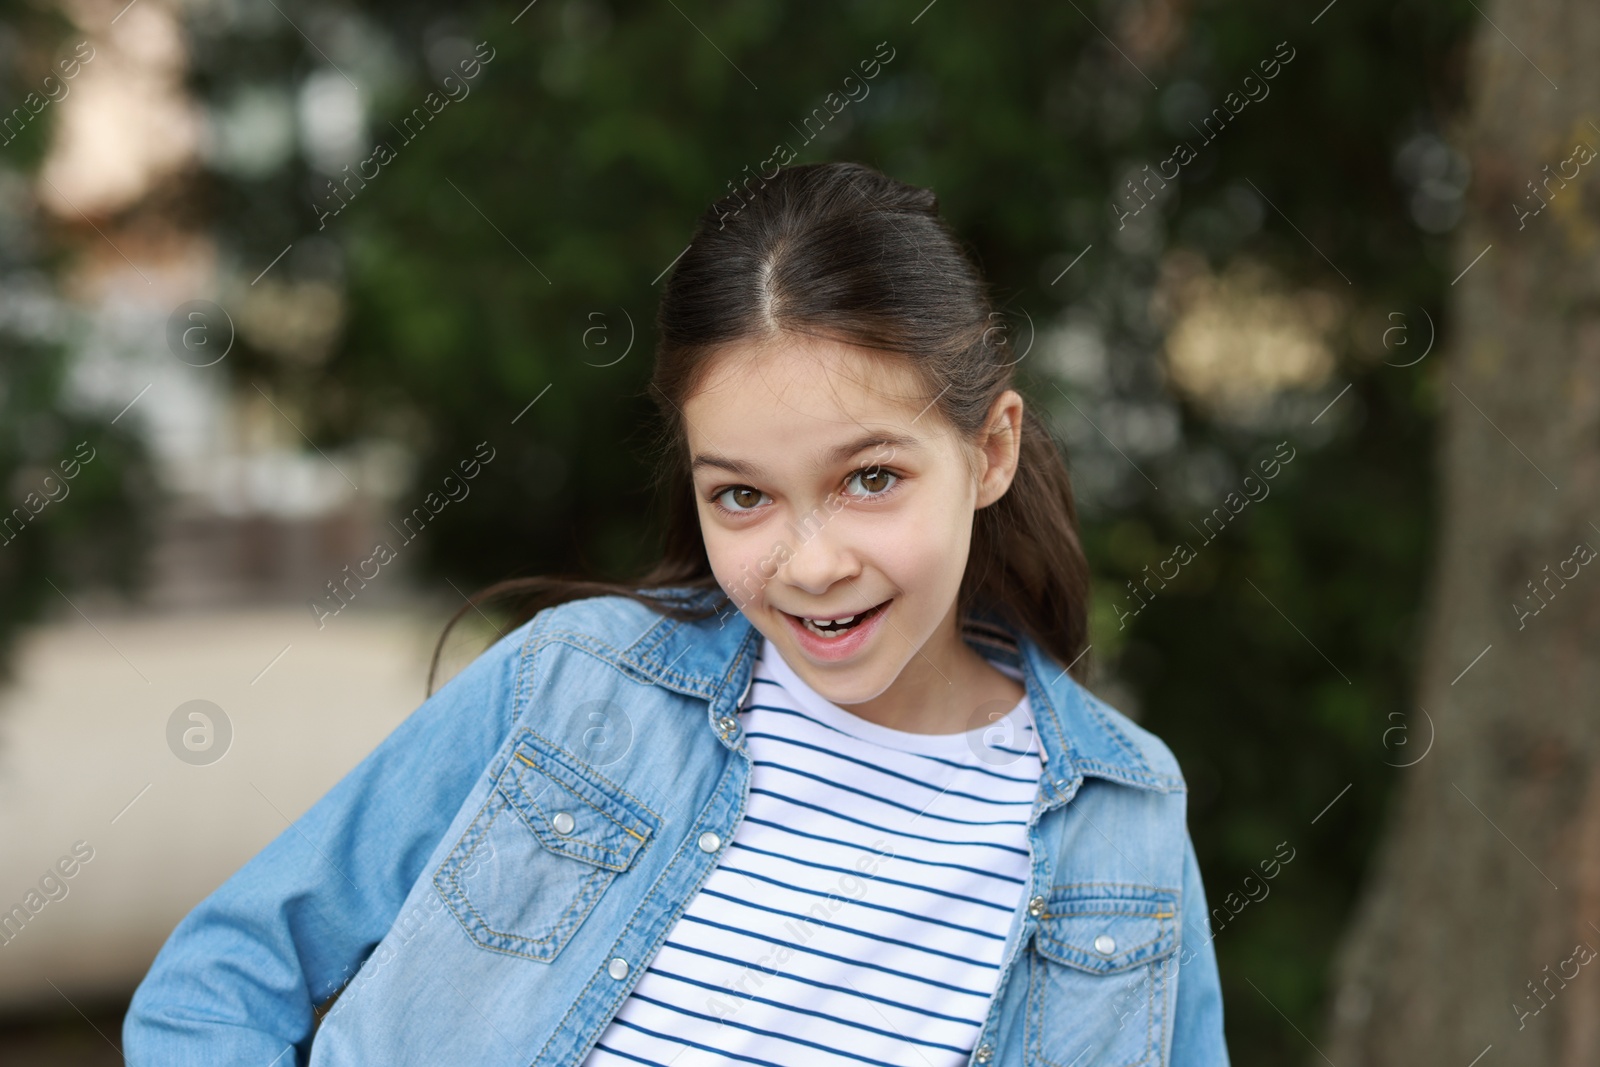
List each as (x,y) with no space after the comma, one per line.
(745,498)
(875,480)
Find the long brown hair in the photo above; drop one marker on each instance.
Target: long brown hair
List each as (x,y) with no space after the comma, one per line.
(841,251)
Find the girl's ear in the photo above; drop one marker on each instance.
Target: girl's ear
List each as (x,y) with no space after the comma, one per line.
(1000,447)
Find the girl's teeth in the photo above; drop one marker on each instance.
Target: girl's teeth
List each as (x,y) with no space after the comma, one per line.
(840,626)
(814,628)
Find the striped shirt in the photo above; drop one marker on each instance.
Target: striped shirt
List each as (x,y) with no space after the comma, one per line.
(859,914)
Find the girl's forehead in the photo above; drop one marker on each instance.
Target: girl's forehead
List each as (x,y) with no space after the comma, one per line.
(799,379)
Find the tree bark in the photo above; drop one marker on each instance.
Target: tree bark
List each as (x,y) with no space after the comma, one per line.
(1479,924)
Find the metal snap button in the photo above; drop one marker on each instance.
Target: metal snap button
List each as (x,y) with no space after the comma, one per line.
(617,968)
(727,724)
(709,842)
(564,822)
(1036,907)
(985,1052)
(1105,944)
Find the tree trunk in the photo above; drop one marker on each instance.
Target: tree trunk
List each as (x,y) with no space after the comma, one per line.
(1480,923)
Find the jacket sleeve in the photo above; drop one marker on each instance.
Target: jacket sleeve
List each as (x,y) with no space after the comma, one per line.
(238,978)
(1197,1038)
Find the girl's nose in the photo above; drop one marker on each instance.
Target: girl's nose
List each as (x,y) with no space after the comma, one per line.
(820,561)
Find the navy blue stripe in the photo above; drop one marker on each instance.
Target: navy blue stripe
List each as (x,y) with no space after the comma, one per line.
(875,877)
(861,901)
(694,1044)
(803,981)
(834,956)
(833,729)
(885,829)
(851,930)
(897,855)
(773,1033)
(625,1055)
(880,798)
(800,1011)
(796,742)
(979,768)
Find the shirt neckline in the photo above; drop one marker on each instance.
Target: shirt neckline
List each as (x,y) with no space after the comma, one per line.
(1013,730)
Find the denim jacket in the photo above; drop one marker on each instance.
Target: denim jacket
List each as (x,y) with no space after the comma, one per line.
(486,886)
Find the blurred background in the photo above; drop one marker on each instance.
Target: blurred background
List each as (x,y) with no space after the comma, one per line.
(1288,294)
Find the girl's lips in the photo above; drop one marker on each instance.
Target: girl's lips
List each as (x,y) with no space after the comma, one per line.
(833,649)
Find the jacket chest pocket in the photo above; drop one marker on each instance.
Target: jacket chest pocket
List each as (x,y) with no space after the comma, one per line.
(1100,977)
(549,839)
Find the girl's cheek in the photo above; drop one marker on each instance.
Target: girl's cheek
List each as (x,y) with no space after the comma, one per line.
(934,527)
(744,566)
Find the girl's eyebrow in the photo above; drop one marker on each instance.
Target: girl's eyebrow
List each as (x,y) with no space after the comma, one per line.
(838,454)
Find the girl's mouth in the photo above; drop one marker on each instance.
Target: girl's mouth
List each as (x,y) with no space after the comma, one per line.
(839,637)
(833,628)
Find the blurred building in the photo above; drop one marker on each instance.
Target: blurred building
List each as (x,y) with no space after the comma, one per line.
(97,758)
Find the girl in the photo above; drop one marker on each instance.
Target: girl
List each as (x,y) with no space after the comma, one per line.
(822,788)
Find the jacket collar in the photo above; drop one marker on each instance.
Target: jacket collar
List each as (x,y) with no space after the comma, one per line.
(714,660)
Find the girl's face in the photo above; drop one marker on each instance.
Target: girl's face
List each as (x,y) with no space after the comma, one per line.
(828,487)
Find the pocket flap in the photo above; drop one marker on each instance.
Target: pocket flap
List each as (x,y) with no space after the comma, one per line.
(553,792)
(1105,928)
